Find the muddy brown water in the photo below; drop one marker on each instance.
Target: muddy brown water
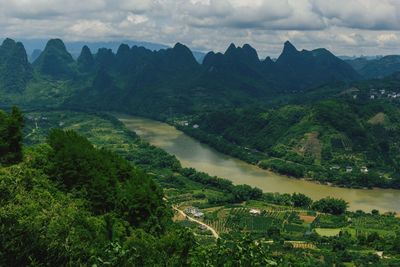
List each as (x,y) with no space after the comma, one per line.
(192,153)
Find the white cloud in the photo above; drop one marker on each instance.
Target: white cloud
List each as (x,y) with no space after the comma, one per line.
(360,14)
(343,26)
(89,29)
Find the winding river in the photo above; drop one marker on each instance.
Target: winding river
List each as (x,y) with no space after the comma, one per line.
(192,153)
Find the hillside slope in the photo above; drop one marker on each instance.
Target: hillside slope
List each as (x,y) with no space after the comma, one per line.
(376,68)
(321,140)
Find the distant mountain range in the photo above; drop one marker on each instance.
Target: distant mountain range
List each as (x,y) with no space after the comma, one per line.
(376,68)
(147,81)
(35,46)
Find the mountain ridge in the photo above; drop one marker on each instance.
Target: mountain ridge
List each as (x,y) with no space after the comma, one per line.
(173,79)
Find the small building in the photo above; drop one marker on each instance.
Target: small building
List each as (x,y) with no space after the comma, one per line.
(183,123)
(196,126)
(194,211)
(198,214)
(349,169)
(372,96)
(255,212)
(364,169)
(191,210)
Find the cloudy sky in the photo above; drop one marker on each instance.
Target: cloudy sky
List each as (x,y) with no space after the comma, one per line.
(346,27)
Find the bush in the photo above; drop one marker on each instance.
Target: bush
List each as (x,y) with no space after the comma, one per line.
(284,167)
(331,205)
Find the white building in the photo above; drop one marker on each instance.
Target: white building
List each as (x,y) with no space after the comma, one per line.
(255,212)
(364,169)
(349,169)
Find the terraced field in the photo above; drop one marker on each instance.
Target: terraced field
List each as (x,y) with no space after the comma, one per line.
(235,219)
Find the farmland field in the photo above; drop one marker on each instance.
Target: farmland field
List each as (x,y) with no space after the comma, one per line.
(327,231)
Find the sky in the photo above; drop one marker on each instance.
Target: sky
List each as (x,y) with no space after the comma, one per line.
(346,27)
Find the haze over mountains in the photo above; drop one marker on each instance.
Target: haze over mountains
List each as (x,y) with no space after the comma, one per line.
(376,68)
(35,46)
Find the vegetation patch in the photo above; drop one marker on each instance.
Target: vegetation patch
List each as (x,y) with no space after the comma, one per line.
(379,118)
(328,231)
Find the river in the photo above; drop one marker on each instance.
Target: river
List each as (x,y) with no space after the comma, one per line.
(192,153)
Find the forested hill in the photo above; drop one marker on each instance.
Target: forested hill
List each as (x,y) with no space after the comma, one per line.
(68,201)
(166,80)
(376,68)
(345,140)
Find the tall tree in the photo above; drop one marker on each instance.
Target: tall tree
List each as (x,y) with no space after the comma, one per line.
(15,126)
(11,136)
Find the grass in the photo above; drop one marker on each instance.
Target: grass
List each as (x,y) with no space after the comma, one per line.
(328,231)
(379,118)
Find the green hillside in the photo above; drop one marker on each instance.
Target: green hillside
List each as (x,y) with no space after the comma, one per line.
(107,202)
(318,140)
(376,68)
(169,81)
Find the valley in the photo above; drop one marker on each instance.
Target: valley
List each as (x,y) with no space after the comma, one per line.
(161,160)
(192,153)
(283,225)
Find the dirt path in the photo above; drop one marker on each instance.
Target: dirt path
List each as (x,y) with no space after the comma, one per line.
(214,233)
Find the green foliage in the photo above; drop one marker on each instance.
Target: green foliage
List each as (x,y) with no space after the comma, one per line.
(41,224)
(301,200)
(330,205)
(98,210)
(11,136)
(111,184)
(283,167)
(233,252)
(317,140)
(233,193)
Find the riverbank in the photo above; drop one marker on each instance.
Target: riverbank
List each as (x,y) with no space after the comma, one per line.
(192,153)
(314,173)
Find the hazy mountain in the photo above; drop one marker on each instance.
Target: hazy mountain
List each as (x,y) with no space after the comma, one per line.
(363,57)
(377,68)
(309,68)
(292,70)
(74,47)
(34,55)
(15,70)
(171,79)
(85,60)
(55,60)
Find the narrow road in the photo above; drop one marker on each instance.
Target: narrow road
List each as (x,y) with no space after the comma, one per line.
(214,233)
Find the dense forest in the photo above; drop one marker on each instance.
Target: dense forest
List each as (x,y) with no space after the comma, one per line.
(11,136)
